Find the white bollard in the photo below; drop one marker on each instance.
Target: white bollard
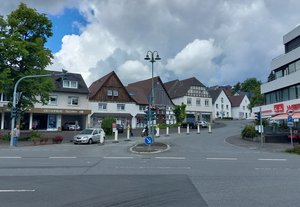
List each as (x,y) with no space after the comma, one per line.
(128,133)
(178,130)
(167,131)
(198,128)
(187,129)
(209,128)
(101,139)
(157,131)
(116,137)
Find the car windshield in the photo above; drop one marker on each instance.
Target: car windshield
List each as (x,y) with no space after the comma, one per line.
(86,131)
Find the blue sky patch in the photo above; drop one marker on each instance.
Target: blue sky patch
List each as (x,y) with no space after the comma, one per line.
(65,24)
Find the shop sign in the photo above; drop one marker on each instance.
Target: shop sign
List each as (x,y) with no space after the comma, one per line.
(279,108)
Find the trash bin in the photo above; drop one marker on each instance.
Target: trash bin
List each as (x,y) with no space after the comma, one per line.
(15,140)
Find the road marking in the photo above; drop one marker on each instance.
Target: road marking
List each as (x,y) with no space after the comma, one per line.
(271,159)
(118,157)
(10,157)
(62,157)
(171,158)
(220,158)
(144,167)
(12,191)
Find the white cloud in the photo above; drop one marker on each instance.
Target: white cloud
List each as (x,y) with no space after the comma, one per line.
(217,41)
(196,58)
(132,71)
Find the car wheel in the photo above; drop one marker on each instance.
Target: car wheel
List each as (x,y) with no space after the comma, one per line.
(90,141)
(75,143)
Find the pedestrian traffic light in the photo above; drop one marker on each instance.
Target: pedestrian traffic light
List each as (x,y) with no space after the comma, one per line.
(257,116)
(153,114)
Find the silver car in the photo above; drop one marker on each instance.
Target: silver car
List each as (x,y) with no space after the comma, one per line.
(89,136)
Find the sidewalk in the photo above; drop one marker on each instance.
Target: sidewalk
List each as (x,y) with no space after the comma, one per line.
(267,147)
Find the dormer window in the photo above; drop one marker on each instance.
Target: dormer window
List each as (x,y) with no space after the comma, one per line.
(70,84)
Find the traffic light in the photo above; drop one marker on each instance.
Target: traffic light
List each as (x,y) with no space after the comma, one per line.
(153,114)
(14,112)
(257,116)
(150,114)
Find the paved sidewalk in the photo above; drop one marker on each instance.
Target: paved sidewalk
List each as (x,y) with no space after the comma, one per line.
(269,147)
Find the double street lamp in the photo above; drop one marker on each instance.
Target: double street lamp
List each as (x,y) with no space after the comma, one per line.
(152,57)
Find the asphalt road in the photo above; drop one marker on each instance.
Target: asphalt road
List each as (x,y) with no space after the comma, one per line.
(198,170)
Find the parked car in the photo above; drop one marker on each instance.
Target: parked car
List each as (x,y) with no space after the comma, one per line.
(120,128)
(71,125)
(89,136)
(203,124)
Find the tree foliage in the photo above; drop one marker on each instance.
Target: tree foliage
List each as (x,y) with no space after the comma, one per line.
(23,35)
(179,111)
(252,86)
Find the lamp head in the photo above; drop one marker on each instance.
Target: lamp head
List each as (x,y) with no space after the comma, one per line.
(147,57)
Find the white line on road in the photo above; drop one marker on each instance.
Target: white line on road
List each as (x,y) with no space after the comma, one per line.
(220,158)
(10,157)
(12,191)
(118,157)
(171,158)
(271,159)
(62,157)
(144,167)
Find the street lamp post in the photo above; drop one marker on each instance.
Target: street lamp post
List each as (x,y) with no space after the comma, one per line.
(152,57)
(14,103)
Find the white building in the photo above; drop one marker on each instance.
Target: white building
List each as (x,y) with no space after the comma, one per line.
(239,107)
(282,91)
(196,97)
(221,103)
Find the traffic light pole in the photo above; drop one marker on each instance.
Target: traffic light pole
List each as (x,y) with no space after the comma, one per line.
(261,128)
(13,119)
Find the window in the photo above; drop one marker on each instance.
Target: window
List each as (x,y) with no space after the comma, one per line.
(217,106)
(70,84)
(243,107)
(102,106)
(116,93)
(3,97)
(227,107)
(198,102)
(206,102)
(222,106)
(109,92)
(189,101)
(142,108)
(120,107)
(222,100)
(73,100)
(52,100)
(292,68)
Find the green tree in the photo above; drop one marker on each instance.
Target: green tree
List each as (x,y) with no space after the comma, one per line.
(23,35)
(107,125)
(179,111)
(236,88)
(252,86)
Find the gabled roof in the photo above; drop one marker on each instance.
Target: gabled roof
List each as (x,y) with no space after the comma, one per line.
(140,91)
(236,100)
(97,85)
(214,93)
(82,87)
(178,88)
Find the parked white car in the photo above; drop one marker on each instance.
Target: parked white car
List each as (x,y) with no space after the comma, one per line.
(89,136)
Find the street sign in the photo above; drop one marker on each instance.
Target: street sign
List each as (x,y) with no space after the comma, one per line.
(290,112)
(148,140)
(290,122)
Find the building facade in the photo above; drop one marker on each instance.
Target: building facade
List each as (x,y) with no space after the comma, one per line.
(196,97)
(282,91)
(221,103)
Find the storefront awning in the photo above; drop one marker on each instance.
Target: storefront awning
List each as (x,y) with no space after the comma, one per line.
(285,116)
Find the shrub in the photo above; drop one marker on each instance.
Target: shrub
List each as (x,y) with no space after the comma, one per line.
(35,136)
(57,139)
(249,131)
(107,125)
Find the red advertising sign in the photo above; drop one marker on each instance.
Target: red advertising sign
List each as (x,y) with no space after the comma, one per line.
(293,107)
(278,108)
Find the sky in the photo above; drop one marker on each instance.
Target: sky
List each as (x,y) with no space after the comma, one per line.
(219,42)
